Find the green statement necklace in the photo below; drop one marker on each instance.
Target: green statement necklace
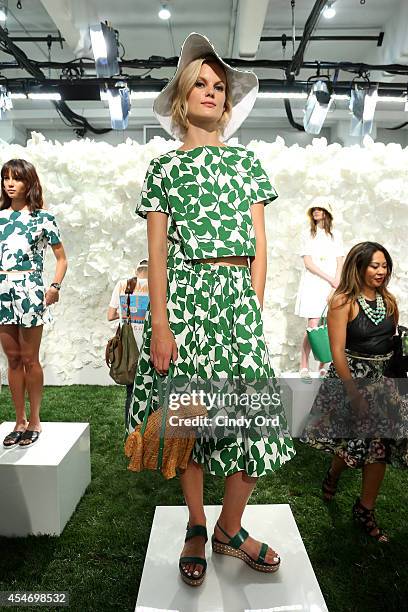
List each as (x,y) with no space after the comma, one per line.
(377,314)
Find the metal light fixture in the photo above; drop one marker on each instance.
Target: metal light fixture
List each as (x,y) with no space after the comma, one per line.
(363,102)
(317,106)
(5,101)
(164,12)
(329,11)
(105,49)
(118,98)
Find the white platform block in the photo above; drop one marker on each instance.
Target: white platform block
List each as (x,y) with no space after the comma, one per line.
(230,585)
(42,484)
(298,398)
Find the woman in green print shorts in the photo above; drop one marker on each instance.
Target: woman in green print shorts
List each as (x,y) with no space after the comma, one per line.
(205,309)
(25,230)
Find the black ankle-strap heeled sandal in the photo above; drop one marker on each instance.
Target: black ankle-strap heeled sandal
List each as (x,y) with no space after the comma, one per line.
(366,520)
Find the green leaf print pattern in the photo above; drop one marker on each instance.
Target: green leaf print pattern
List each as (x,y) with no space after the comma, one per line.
(208,192)
(213,312)
(22,300)
(24,237)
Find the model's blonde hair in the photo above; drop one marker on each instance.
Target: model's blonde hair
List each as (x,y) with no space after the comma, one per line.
(353,273)
(184,84)
(327,221)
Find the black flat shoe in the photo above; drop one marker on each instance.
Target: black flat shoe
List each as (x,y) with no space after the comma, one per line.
(14,437)
(30,435)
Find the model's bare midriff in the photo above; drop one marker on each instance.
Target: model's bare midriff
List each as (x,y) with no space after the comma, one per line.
(234,260)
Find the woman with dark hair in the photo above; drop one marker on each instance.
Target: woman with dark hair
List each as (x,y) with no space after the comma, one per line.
(322,253)
(207,275)
(25,230)
(358,414)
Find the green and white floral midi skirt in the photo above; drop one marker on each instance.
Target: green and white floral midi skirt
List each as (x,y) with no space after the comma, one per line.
(216,320)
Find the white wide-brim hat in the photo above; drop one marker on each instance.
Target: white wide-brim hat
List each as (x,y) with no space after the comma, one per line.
(320,202)
(243,86)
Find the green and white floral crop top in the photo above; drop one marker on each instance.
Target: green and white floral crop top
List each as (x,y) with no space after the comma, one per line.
(207,192)
(24,237)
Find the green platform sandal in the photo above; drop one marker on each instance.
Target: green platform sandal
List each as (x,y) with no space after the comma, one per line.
(232,548)
(192,532)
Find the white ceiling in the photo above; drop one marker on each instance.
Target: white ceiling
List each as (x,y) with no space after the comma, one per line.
(143,34)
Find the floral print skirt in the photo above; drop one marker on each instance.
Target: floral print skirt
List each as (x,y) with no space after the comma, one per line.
(216,320)
(378,436)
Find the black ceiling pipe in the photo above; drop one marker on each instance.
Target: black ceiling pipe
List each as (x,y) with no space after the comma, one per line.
(379,39)
(24,62)
(266,64)
(290,117)
(297,61)
(89,89)
(37,39)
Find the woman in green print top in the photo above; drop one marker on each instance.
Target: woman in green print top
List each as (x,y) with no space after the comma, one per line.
(25,230)
(206,201)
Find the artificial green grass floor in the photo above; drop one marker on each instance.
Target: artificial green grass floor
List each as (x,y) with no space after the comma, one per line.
(99,557)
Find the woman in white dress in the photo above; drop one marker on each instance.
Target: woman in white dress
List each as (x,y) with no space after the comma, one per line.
(322,252)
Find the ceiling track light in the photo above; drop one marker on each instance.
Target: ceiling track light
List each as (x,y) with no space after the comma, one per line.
(164,12)
(105,48)
(119,102)
(5,101)
(318,104)
(329,11)
(363,102)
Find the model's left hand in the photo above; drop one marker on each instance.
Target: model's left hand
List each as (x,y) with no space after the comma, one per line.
(51,296)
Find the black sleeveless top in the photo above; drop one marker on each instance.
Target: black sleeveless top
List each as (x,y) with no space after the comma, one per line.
(364,336)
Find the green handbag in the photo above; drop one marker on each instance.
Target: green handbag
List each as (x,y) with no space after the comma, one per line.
(319,340)
(122,353)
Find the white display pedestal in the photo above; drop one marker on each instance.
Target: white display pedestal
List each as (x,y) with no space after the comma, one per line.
(230,585)
(298,398)
(42,484)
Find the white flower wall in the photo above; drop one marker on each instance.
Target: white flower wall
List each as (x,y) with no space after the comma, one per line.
(93,188)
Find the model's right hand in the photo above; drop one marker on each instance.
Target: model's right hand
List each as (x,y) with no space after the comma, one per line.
(163,347)
(334,283)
